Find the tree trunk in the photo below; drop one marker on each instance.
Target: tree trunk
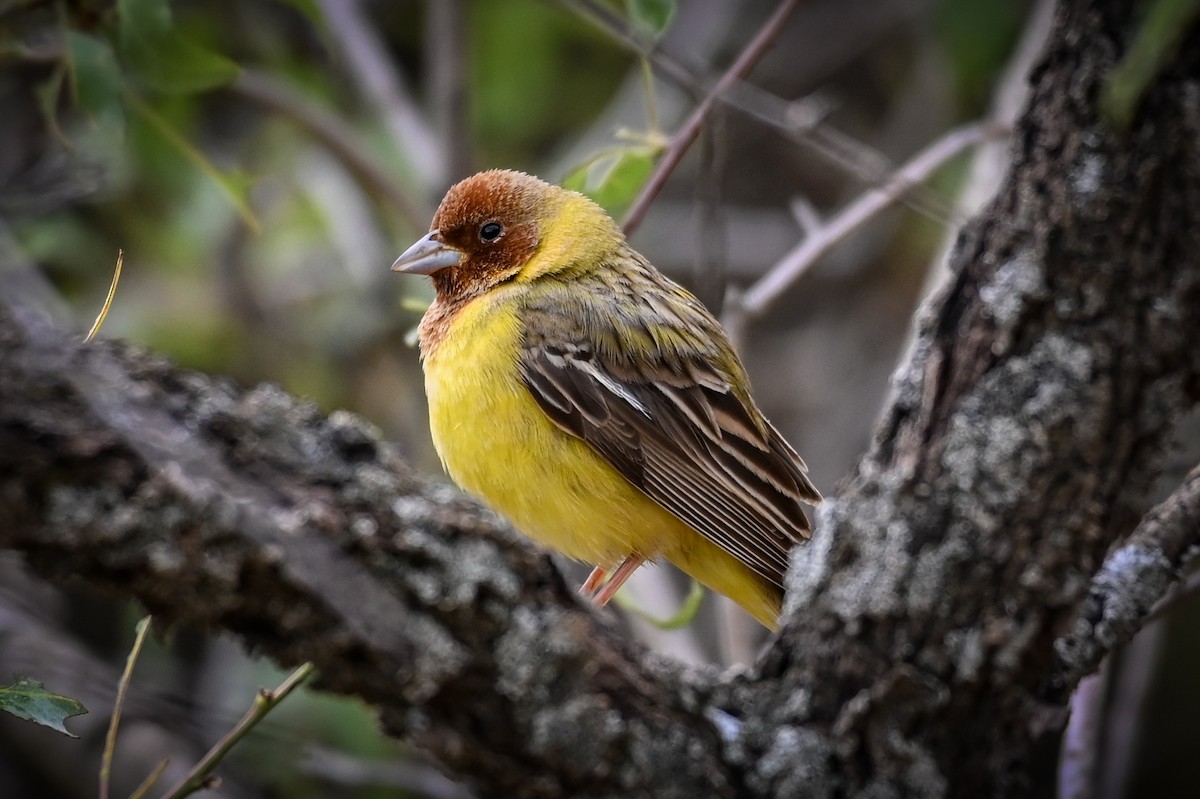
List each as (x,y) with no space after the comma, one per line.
(954,592)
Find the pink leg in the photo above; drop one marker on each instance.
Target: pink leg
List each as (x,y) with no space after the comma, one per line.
(623,573)
(588,589)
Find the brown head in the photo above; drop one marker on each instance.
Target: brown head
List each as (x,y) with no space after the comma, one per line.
(501,225)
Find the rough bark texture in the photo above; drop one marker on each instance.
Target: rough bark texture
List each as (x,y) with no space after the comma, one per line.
(953,594)
(305,535)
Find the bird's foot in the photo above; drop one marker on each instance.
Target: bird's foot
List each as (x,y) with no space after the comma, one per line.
(601,594)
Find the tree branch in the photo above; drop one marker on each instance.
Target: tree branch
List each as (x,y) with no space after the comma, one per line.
(759,298)
(683,139)
(1133,579)
(384,88)
(305,536)
(918,649)
(338,137)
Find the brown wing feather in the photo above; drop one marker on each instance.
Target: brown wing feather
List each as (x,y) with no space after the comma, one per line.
(650,387)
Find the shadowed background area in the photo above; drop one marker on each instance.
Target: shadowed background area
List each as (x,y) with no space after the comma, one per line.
(261,164)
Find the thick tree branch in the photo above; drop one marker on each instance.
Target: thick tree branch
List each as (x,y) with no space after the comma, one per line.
(305,536)
(1023,439)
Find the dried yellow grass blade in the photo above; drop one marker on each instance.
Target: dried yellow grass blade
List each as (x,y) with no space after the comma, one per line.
(112,292)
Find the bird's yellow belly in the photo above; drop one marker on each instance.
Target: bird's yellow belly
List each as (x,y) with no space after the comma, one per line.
(497,443)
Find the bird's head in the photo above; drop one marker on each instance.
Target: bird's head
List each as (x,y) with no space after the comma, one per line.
(500,226)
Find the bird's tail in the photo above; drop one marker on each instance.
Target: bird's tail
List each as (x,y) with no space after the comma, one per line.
(722,572)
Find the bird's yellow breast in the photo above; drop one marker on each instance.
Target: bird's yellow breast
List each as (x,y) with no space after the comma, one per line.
(497,443)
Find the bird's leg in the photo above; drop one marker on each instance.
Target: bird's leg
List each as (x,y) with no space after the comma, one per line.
(623,573)
(592,583)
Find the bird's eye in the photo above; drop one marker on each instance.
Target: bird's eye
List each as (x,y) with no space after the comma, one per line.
(490,231)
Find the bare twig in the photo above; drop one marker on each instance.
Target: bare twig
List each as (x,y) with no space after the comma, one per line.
(1134,579)
(337,137)
(759,298)
(805,214)
(795,120)
(151,778)
(446,63)
(264,703)
(110,740)
(666,64)
(384,88)
(682,140)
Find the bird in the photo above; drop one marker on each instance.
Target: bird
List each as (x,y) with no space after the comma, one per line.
(594,402)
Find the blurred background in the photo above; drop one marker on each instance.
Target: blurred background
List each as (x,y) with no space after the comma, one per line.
(262,162)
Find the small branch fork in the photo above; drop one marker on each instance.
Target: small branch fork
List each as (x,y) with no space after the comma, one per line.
(770,287)
(1134,584)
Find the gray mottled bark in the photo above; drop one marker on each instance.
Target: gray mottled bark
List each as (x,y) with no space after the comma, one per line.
(955,591)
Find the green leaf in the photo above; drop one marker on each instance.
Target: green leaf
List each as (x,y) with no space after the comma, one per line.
(614,178)
(28,699)
(47,98)
(165,60)
(651,16)
(95,75)
(235,187)
(1166,25)
(310,10)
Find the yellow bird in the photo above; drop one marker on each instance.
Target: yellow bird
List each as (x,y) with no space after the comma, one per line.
(594,402)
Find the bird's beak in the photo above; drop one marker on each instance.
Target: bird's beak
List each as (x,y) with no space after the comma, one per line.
(430,254)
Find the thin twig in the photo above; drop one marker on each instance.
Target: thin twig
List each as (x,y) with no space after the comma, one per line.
(110,740)
(375,73)
(793,119)
(1135,578)
(446,64)
(264,703)
(173,136)
(759,298)
(337,137)
(151,778)
(666,64)
(682,140)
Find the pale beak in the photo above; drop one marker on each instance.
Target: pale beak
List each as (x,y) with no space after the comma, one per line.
(430,254)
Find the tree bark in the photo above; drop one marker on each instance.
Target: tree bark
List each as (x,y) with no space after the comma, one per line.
(955,590)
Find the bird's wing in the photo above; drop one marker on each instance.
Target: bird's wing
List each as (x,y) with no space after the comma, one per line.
(650,386)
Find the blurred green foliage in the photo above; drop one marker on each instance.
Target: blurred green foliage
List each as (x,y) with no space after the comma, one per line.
(977,37)
(524,102)
(651,16)
(1166,24)
(141,95)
